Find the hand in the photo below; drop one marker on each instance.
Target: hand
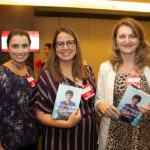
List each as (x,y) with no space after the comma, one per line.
(109,110)
(1,148)
(145,110)
(74,118)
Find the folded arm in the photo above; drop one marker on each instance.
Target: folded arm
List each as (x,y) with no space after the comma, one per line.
(47,120)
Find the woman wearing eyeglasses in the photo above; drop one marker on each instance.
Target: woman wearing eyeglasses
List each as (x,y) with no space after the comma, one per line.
(65,66)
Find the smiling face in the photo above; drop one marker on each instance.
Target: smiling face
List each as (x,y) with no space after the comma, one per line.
(126,40)
(19,48)
(68,98)
(67,52)
(135,101)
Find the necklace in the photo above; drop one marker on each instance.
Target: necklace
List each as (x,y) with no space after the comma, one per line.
(17,66)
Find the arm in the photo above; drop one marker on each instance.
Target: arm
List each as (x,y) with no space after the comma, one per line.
(146,110)
(1,148)
(101,104)
(45,103)
(108,110)
(47,120)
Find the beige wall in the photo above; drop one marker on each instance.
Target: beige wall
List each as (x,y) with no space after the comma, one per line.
(94,36)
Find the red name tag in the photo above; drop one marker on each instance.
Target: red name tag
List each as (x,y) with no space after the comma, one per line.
(135,80)
(87,92)
(31,80)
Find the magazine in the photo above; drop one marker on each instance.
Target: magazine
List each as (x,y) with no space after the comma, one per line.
(130,103)
(67,101)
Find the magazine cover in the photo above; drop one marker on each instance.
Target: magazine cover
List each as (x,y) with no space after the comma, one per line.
(67,101)
(130,103)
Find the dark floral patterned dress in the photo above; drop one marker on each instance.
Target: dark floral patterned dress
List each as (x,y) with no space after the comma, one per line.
(17,127)
(122,135)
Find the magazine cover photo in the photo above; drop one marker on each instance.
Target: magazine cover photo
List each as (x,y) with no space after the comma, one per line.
(130,103)
(67,101)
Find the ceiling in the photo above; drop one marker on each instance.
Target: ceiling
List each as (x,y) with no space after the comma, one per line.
(138,1)
(108,7)
(121,7)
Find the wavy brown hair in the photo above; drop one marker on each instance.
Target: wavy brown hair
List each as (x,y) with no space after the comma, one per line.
(142,54)
(53,64)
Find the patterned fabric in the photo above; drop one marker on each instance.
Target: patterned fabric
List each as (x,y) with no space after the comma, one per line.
(122,135)
(81,137)
(17,128)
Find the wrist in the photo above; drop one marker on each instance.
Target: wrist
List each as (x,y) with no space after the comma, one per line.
(100,106)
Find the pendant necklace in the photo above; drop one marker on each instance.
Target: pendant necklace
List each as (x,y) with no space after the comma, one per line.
(18,67)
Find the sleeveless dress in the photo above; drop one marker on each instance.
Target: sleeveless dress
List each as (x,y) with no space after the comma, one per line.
(122,135)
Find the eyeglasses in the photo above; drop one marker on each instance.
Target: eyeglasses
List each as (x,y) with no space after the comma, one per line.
(70,43)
